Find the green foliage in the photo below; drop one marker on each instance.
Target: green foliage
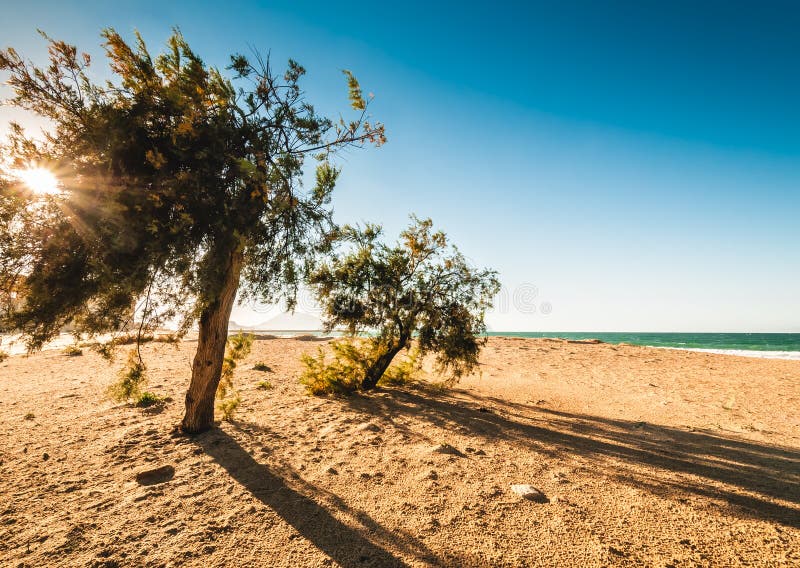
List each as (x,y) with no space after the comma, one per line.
(340,374)
(354,91)
(420,288)
(148,399)
(228,399)
(239,347)
(72,351)
(350,360)
(131,379)
(166,172)
(106,350)
(263,367)
(229,406)
(402,373)
(265,385)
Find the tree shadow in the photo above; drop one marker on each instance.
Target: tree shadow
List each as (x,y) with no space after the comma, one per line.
(346,545)
(759,480)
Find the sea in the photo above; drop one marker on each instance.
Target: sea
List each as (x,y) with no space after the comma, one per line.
(766,345)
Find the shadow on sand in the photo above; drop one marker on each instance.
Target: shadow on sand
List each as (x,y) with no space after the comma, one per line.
(347,545)
(750,480)
(759,480)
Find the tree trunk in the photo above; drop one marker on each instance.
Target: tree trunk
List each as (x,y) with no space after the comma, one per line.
(211,343)
(378,368)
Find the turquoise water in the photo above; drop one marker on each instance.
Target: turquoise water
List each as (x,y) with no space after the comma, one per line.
(715,341)
(771,345)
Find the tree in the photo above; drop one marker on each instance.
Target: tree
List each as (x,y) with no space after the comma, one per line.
(180,187)
(13,244)
(421,288)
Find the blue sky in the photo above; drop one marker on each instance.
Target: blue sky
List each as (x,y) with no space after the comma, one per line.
(635,164)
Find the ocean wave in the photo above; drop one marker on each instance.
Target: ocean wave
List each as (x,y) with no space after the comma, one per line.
(789,355)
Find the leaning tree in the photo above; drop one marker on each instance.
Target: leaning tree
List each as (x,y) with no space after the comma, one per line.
(420,289)
(180,187)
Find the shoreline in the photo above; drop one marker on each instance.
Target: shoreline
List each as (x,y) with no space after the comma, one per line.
(756,354)
(14,347)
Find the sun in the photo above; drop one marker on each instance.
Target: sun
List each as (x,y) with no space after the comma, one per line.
(39,180)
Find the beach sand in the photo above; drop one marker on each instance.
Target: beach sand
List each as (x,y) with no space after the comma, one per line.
(642,456)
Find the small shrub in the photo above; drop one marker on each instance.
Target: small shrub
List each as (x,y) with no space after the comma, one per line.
(265,385)
(228,398)
(132,339)
(342,374)
(239,346)
(228,406)
(73,351)
(147,398)
(344,371)
(263,367)
(106,350)
(3,355)
(131,379)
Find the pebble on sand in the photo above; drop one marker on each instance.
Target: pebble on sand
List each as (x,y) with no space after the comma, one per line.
(153,476)
(529,492)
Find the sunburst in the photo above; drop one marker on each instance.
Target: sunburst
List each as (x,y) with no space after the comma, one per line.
(39,180)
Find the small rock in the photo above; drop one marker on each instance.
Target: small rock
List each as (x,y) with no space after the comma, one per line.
(369,427)
(153,476)
(332,471)
(616,551)
(530,493)
(45,456)
(447,449)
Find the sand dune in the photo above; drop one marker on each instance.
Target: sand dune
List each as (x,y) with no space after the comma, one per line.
(641,456)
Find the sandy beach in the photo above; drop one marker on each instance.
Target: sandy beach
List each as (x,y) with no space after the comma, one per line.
(642,456)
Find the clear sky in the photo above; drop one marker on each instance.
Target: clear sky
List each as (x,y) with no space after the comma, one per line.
(628,166)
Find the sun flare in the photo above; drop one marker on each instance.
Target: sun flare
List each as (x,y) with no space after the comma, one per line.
(39,180)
